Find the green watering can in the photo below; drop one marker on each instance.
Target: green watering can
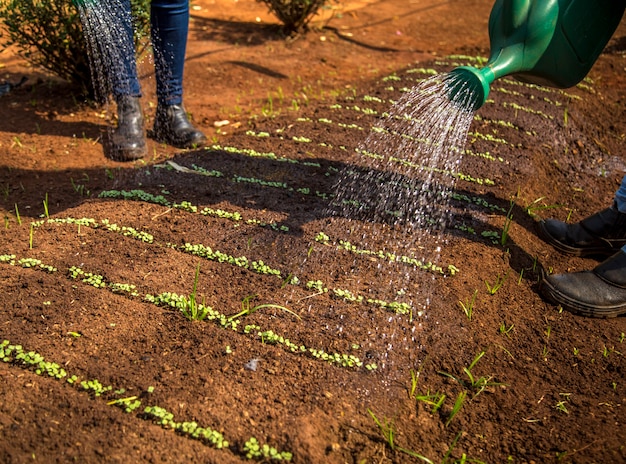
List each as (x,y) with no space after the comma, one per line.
(544,42)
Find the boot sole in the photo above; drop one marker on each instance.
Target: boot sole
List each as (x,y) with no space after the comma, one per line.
(118,153)
(582,252)
(577,307)
(197,142)
(128,155)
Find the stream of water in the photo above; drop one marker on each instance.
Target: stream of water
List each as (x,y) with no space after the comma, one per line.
(108,43)
(406,165)
(395,198)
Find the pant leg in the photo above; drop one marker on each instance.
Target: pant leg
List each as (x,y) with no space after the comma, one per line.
(620,196)
(120,51)
(169,27)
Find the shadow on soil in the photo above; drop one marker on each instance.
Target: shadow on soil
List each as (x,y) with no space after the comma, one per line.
(234,179)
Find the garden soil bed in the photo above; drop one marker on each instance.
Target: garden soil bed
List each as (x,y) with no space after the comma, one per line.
(92,250)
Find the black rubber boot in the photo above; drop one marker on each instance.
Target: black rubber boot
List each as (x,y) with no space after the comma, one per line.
(171,126)
(127,141)
(597,293)
(601,234)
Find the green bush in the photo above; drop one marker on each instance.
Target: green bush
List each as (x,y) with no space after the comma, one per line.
(48,34)
(294,14)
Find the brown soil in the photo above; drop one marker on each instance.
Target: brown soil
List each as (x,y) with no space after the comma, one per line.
(553,382)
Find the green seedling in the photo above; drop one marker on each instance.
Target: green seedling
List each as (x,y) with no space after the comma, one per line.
(434,400)
(492,235)
(80,188)
(474,383)
(534,206)
(548,331)
(451,448)
(415,375)
(388,430)
(507,225)
(17,215)
(504,330)
(468,306)
(95,386)
(493,288)
(247,308)
(192,309)
(268,108)
(45,207)
(561,405)
(30,238)
(254,450)
(165,419)
(458,404)
(128,404)
(291,279)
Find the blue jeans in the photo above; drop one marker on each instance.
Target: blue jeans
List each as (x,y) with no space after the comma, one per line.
(620,196)
(620,200)
(169,25)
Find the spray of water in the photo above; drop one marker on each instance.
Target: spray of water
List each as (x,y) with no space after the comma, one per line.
(109,45)
(406,166)
(394,199)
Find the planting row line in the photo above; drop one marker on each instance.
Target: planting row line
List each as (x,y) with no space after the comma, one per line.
(387,256)
(195,169)
(235,216)
(457,175)
(259,267)
(201,250)
(140,195)
(473,200)
(500,123)
(16,355)
(477,117)
(192,309)
(486,155)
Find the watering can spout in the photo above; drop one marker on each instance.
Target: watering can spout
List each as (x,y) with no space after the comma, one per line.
(468,87)
(544,42)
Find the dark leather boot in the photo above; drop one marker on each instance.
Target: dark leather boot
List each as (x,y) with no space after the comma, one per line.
(127,141)
(171,126)
(597,293)
(601,234)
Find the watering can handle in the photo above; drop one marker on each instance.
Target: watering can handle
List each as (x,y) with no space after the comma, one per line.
(520,32)
(544,42)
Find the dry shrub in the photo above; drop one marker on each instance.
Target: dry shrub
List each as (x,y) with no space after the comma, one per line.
(294,14)
(49,35)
